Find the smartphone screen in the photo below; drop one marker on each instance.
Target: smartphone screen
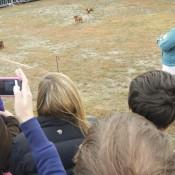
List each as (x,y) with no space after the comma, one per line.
(7,84)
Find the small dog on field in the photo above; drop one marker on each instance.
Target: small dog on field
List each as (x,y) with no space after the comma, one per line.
(89,10)
(78,19)
(1,45)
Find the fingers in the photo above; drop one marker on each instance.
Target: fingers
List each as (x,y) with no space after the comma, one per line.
(2,113)
(25,87)
(16,91)
(21,75)
(23,99)
(6,113)
(16,83)
(16,88)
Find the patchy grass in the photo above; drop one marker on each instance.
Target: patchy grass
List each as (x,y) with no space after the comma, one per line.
(113,45)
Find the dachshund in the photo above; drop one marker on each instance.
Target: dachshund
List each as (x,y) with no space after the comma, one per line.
(1,45)
(78,19)
(89,10)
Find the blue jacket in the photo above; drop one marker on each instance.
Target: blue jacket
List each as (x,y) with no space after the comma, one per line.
(167,45)
(44,152)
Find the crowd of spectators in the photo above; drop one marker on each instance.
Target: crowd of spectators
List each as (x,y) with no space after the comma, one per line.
(60,139)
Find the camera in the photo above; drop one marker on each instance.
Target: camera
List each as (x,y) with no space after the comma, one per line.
(7,84)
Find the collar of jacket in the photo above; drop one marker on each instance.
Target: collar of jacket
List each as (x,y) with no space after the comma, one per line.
(46,121)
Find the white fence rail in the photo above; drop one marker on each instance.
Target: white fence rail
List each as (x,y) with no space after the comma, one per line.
(5,3)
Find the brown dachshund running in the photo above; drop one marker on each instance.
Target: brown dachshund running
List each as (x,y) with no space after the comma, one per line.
(1,45)
(78,19)
(89,10)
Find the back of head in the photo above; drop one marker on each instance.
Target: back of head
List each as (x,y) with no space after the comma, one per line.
(126,144)
(152,95)
(58,96)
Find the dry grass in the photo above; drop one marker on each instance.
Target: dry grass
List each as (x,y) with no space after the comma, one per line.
(113,45)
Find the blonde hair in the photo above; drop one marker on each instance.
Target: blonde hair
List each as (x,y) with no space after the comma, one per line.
(57,95)
(126,144)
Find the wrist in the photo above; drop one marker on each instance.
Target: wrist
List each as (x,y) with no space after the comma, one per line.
(23,120)
(28,125)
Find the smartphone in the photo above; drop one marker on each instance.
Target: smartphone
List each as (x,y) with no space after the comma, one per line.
(7,84)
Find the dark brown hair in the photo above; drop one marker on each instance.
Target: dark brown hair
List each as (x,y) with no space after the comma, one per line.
(152,95)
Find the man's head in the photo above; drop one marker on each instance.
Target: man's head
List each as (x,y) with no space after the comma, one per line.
(152,95)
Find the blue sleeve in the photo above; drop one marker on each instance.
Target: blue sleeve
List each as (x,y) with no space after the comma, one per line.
(44,152)
(167,41)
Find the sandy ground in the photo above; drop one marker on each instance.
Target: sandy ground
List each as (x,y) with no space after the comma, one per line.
(113,44)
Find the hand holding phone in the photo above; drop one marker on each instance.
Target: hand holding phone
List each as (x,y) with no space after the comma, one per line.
(23,99)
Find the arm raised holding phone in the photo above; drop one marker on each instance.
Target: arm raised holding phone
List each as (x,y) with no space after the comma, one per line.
(44,152)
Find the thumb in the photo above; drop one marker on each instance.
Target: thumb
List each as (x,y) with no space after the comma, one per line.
(16,91)
(16,87)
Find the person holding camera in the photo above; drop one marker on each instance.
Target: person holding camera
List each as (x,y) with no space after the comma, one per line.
(143,149)
(43,151)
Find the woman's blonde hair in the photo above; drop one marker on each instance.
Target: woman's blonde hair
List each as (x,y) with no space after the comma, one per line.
(125,144)
(58,95)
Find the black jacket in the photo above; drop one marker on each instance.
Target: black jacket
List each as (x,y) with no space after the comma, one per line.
(63,134)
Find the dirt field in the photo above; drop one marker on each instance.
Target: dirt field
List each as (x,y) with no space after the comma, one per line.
(113,44)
